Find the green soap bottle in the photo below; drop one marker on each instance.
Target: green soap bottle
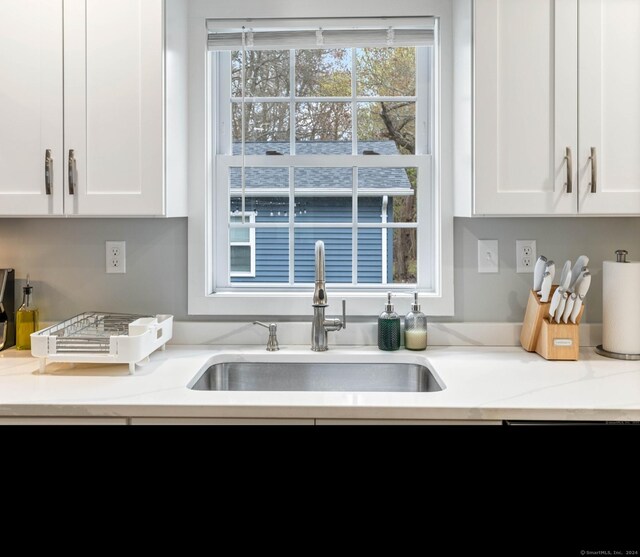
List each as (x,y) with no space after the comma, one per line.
(27,321)
(388,327)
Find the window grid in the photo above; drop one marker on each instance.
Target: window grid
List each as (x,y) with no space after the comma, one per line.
(398,161)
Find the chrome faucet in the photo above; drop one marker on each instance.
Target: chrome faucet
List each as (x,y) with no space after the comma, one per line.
(321,326)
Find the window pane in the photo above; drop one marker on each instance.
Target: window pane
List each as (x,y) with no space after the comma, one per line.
(323,73)
(259,178)
(267,209)
(395,190)
(329,122)
(372,208)
(239,234)
(338,253)
(371,254)
(403,256)
(266,73)
(387,128)
(240,259)
(323,194)
(266,127)
(272,257)
(386,72)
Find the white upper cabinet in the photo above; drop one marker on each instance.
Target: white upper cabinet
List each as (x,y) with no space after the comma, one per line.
(116,159)
(552,80)
(30,107)
(525,106)
(609,107)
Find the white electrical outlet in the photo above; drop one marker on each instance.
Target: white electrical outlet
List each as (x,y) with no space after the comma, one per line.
(116,257)
(525,256)
(488,256)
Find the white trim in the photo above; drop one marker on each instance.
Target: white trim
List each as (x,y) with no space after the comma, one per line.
(202,169)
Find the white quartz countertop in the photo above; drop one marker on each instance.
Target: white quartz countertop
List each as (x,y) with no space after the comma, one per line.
(482,383)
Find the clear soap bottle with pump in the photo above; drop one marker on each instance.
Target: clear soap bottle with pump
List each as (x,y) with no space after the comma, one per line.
(415,327)
(388,327)
(27,319)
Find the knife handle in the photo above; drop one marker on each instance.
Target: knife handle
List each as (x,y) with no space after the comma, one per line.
(576,309)
(568,308)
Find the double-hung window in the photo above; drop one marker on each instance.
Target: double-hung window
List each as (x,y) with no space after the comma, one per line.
(322,130)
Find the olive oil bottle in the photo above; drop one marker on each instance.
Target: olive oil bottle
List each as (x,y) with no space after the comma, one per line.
(27,319)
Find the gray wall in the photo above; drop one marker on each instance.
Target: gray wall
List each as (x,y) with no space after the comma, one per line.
(66,260)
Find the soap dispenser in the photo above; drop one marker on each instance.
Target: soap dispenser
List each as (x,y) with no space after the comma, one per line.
(388,327)
(415,327)
(26,319)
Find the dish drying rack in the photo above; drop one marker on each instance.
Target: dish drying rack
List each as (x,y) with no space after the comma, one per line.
(98,337)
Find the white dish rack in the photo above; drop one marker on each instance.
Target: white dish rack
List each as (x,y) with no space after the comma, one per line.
(104,338)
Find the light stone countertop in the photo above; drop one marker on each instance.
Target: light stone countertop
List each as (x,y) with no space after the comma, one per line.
(482,383)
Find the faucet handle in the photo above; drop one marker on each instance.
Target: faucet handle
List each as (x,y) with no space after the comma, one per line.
(344,313)
(272,343)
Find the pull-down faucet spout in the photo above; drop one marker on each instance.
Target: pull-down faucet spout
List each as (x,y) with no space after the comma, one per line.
(320,326)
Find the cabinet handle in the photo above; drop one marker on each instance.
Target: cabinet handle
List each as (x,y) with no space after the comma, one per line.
(72,172)
(48,172)
(569,159)
(594,170)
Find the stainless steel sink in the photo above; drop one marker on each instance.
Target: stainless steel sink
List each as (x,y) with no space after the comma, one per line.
(290,376)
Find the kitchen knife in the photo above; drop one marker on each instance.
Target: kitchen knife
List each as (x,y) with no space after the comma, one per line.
(551,269)
(558,300)
(555,301)
(538,272)
(565,278)
(561,306)
(546,287)
(568,308)
(582,287)
(581,263)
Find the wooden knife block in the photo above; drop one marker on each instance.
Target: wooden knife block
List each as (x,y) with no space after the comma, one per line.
(553,341)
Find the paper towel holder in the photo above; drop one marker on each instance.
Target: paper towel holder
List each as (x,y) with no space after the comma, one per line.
(621,257)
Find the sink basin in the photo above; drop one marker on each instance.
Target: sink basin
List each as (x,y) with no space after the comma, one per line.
(290,376)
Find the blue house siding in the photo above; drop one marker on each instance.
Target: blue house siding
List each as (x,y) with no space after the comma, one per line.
(272,244)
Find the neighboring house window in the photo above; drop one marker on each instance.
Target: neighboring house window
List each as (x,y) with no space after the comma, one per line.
(319,130)
(242,247)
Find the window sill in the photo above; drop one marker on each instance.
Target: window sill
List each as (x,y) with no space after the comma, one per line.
(272,305)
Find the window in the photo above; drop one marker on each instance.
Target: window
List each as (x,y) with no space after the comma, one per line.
(322,130)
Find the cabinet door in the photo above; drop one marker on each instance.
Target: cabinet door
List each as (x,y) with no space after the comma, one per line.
(30,106)
(114,106)
(610,106)
(525,106)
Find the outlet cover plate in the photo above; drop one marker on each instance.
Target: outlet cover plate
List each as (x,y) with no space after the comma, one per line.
(488,256)
(525,256)
(116,257)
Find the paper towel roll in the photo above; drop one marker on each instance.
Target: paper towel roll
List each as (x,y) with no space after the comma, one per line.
(621,307)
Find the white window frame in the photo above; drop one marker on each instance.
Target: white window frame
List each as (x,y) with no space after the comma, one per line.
(250,217)
(202,299)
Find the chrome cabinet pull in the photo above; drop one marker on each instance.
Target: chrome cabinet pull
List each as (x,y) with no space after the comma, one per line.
(569,159)
(48,172)
(594,170)
(73,174)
